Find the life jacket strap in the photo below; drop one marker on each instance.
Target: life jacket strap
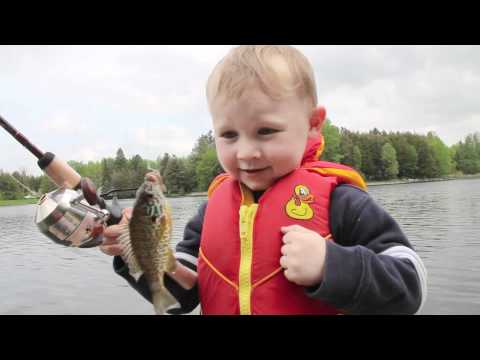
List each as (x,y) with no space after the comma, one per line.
(216,271)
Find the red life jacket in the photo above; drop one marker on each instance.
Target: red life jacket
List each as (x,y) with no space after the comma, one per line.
(238,269)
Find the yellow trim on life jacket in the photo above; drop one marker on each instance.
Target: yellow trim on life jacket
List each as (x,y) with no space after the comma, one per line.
(247,213)
(247,196)
(351,176)
(266,278)
(216,182)
(216,271)
(321,147)
(247,216)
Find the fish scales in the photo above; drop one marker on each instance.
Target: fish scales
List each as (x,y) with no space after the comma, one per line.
(146,240)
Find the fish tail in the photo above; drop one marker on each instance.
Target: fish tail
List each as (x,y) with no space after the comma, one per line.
(162,300)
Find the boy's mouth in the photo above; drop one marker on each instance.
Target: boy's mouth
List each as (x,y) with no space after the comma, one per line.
(253,171)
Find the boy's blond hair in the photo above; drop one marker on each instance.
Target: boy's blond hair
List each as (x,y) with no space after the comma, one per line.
(250,65)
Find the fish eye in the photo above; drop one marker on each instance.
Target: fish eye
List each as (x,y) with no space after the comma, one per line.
(303,191)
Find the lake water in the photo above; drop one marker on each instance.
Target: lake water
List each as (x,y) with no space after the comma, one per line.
(441,219)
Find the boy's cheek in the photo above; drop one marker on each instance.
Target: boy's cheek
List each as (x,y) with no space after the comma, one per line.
(225,162)
(221,149)
(225,155)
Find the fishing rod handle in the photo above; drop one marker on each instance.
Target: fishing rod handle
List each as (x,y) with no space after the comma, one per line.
(62,174)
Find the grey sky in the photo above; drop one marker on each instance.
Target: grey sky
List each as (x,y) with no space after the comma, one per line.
(84,102)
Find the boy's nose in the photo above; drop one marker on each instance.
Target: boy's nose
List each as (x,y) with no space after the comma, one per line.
(248,151)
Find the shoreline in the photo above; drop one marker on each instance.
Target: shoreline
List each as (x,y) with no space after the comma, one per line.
(19,202)
(415,181)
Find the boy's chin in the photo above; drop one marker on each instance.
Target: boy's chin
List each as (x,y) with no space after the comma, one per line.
(255,186)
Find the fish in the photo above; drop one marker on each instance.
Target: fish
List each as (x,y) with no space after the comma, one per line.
(146,240)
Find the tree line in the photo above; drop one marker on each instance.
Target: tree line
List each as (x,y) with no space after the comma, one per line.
(182,175)
(377,155)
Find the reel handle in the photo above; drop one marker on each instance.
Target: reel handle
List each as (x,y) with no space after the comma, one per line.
(115,211)
(90,194)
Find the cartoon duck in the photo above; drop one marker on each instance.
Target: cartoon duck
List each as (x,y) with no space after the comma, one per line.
(298,206)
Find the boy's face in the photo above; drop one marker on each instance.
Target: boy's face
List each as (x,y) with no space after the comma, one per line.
(258,139)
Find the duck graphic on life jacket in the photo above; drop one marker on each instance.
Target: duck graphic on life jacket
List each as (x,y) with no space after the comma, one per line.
(298,206)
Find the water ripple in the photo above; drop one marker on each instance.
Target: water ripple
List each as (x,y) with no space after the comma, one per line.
(441,220)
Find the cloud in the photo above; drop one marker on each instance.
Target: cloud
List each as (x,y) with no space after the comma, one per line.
(404,88)
(63,124)
(158,140)
(83,102)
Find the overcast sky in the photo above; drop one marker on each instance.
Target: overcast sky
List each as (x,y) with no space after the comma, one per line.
(84,102)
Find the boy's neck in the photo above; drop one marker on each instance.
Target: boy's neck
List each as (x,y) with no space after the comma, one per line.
(250,194)
(257,195)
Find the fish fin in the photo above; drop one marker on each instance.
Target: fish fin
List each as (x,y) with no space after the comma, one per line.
(171,261)
(162,300)
(127,253)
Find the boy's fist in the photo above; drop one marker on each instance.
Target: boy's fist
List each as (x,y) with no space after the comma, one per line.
(303,255)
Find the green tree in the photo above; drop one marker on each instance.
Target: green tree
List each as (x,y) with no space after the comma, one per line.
(453,151)
(202,162)
(427,165)
(356,158)
(163,163)
(204,143)
(120,161)
(371,148)
(9,189)
(440,153)
(406,156)
(331,135)
(121,176)
(389,162)
(33,183)
(122,179)
(107,170)
(138,168)
(207,169)
(46,185)
(174,176)
(190,172)
(351,153)
(467,155)
(91,170)
(346,147)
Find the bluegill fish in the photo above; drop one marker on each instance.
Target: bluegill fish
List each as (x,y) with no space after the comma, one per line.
(146,240)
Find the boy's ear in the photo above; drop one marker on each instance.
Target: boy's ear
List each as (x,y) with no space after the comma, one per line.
(316,121)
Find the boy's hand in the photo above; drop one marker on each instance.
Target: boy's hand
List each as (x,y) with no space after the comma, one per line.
(110,245)
(303,255)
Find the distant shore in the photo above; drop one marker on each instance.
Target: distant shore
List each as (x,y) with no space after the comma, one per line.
(413,181)
(202,194)
(386,182)
(18,202)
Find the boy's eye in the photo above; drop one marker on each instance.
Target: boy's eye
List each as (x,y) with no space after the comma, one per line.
(229,134)
(266,131)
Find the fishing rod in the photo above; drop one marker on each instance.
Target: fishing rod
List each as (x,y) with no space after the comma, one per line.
(74,214)
(57,170)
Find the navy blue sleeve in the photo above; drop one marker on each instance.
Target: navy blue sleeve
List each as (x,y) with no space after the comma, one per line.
(371,267)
